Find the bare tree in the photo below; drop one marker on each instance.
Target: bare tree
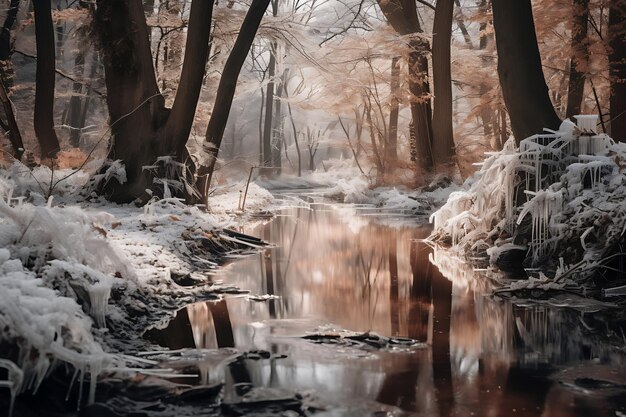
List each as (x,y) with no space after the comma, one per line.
(226,92)
(142,127)
(45,80)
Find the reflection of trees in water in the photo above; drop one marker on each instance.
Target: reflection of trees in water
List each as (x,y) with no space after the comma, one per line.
(483,350)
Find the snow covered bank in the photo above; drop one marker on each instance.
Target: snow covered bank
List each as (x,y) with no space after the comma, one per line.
(556,202)
(72,266)
(343,183)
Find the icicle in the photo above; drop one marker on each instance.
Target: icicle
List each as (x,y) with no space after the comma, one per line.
(80,386)
(14,381)
(587,123)
(99,297)
(95,368)
(69,389)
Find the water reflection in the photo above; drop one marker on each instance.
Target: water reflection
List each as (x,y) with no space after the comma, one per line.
(485,356)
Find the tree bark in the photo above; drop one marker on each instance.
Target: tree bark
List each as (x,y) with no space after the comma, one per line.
(11,127)
(226,91)
(269,108)
(487,114)
(75,105)
(45,80)
(576,90)
(402,16)
(443,136)
(519,68)
(192,74)
(277,128)
(136,108)
(617,69)
(421,111)
(142,128)
(6,46)
(392,141)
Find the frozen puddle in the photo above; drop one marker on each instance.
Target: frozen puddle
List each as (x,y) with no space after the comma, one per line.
(334,269)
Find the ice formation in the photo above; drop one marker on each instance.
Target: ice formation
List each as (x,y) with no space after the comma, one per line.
(558,192)
(50,258)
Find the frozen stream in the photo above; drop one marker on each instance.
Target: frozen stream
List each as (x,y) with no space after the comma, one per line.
(344,267)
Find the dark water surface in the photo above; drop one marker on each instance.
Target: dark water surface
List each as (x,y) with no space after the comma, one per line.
(334,268)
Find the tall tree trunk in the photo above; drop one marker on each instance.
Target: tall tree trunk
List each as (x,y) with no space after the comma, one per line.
(226,91)
(74,111)
(197,47)
(45,80)
(269,108)
(617,68)
(576,90)
(487,115)
(392,142)
(277,128)
(142,128)
(519,68)
(6,46)
(421,111)
(136,108)
(443,136)
(402,16)
(295,132)
(10,127)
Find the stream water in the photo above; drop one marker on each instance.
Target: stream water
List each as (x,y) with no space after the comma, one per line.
(338,268)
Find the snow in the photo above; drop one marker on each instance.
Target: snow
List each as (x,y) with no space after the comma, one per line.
(63,254)
(559,194)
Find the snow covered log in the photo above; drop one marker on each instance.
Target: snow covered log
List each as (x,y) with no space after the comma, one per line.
(560,197)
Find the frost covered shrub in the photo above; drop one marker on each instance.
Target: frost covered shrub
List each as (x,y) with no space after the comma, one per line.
(559,197)
(57,271)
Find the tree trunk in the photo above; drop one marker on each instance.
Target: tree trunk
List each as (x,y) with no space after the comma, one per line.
(277,128)
(269,108)
(226,91)
(617,68)
(295,132)
(402,16)
(420,103)
(74,111)
(197,47)
(443,136)
(519,68)
(392,141)
(576,90)
(136,108)
(487,114)
(142,128)
(11,127)
(6,46)
(45,80)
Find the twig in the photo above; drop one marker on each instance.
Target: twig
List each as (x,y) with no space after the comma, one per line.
(64,75)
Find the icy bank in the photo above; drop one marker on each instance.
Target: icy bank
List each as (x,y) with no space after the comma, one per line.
(52,259)
(72,265)
(558,198)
